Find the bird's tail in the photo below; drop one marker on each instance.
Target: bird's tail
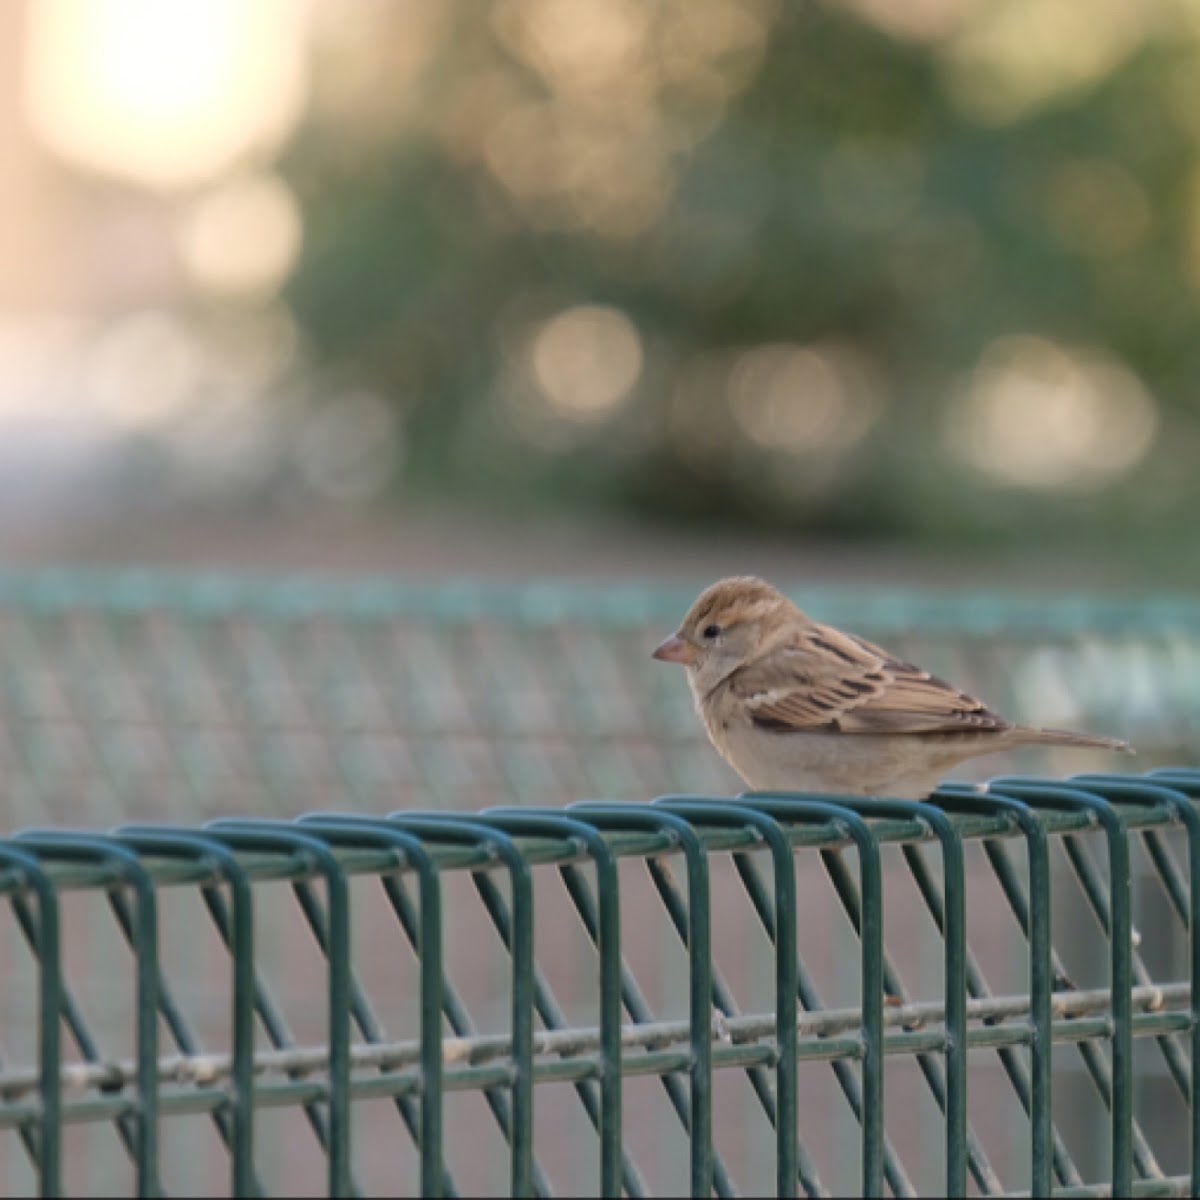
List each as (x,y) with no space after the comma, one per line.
(1065,737)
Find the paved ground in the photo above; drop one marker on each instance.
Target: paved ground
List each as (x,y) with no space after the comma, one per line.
(450,543)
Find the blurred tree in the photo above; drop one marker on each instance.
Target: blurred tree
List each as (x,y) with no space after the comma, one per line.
(924,270)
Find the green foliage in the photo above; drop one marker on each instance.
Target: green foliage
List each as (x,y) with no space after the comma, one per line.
(825,188)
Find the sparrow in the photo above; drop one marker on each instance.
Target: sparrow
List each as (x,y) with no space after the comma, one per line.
(793,705)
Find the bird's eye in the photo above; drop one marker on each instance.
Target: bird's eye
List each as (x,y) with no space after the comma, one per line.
(711,631)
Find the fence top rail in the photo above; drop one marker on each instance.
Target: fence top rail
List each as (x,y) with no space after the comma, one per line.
(209,595)
(290,865)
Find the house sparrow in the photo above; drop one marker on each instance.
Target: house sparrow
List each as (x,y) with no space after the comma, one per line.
(796,706)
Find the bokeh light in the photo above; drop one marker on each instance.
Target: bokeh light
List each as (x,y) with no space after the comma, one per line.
(913,20)
(1013,59)
(599,147)
(577,45)
(164,94)
(241,238)
(587,360)
(1044,416)
(804,400)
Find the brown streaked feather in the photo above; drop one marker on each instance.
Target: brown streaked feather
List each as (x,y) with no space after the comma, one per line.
(741,598)
(848,685)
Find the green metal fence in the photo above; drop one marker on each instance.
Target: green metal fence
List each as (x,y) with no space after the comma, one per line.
(258,1065)
(265,985)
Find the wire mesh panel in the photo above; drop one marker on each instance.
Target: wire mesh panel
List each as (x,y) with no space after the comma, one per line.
(695,995)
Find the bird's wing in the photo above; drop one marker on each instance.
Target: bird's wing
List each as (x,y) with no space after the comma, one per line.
(826,680)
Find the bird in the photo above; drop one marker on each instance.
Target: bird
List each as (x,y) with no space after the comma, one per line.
(794,705)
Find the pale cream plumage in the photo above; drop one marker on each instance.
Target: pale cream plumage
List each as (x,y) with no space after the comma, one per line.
(793,705)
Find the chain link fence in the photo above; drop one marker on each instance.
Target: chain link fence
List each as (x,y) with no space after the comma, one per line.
(181,697)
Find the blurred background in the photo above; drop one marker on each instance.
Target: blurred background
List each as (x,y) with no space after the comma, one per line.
(858,288)
(896,302)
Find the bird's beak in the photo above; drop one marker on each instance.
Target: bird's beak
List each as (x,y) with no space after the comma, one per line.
(676,650)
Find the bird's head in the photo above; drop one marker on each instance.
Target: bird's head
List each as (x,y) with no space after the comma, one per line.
(730,624)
